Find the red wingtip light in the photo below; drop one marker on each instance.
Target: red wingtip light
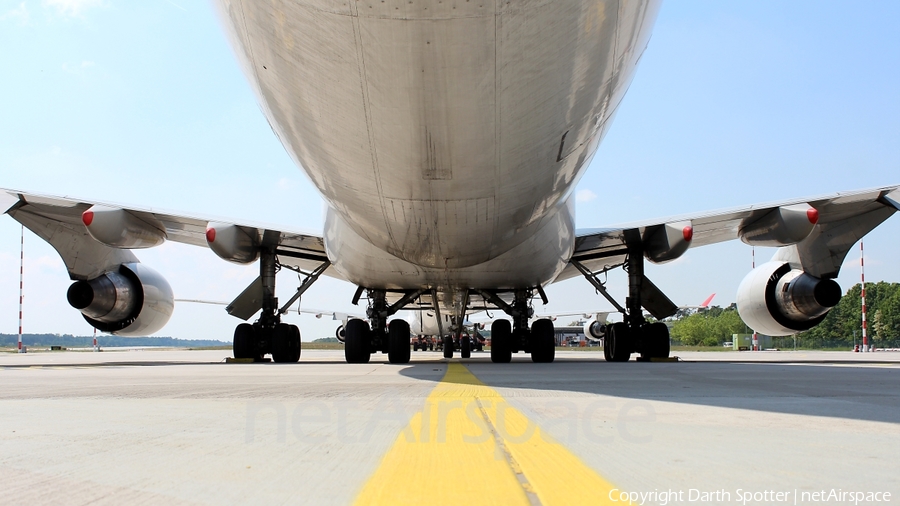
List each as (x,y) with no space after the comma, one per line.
(813,215)
(688,233)
(210,235)
(87,217)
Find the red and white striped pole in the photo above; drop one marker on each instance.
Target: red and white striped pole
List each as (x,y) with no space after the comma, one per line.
(754,345)
(21,282)
(862,274)
(95,339)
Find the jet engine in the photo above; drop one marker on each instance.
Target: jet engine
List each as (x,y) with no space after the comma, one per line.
(594,330)
(777,300)
(339,333)
(133,300)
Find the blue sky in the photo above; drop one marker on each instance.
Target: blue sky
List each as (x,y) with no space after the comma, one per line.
(143,103)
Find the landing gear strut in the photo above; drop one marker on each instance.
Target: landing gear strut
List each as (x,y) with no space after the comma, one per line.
(634,334)
(268,334)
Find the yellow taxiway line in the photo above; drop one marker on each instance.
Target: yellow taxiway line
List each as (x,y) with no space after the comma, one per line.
(468,445)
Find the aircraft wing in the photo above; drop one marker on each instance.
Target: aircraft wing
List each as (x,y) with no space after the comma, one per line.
(58,220)
(318,313)
(842,219)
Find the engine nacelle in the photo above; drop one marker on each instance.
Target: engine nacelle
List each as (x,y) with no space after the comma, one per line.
(233,243)
(594,330)
(667,242)
(339,333)
(123,229)
(776,300)
(781,226)
(132,301)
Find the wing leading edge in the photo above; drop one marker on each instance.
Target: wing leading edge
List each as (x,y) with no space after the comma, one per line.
(843,218)
(835,223)
(58,220)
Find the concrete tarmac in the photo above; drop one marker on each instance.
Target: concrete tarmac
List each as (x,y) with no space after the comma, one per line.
(182,427)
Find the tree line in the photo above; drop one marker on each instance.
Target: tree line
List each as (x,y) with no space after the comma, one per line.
(70,341)
(841,328)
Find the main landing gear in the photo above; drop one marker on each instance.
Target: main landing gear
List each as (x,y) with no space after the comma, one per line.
(268,335)
(506,338)
(634,334)
(361,340)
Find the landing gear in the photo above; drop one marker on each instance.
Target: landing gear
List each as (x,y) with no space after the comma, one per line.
(501,337)
(543,341)
(245,342)
(361,340)
(356,342)
(617,344)
(448,346)
(465,347)
(634,334)
(285,343)
(398,342)
(268,334)
(540,340)
(656,341)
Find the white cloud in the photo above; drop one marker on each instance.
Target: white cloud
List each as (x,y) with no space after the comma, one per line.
(19,14)
(72,8)
(79,69)
(585,196)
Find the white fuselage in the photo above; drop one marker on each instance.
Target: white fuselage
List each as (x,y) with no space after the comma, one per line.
(446,135)
(425,323)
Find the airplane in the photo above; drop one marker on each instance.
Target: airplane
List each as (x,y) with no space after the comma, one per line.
(428,127)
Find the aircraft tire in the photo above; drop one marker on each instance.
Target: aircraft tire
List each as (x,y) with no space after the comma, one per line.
(543,341)
(356,342)
(656,340)
(501,335)
(448,347)
(398,345)
(465,348)
(244,340)
(285,343)
(619,342)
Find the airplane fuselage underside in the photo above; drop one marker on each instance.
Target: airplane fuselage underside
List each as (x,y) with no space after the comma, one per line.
(447,136)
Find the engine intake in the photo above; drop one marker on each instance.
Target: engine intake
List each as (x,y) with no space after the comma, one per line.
(776,300)
(131,301)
